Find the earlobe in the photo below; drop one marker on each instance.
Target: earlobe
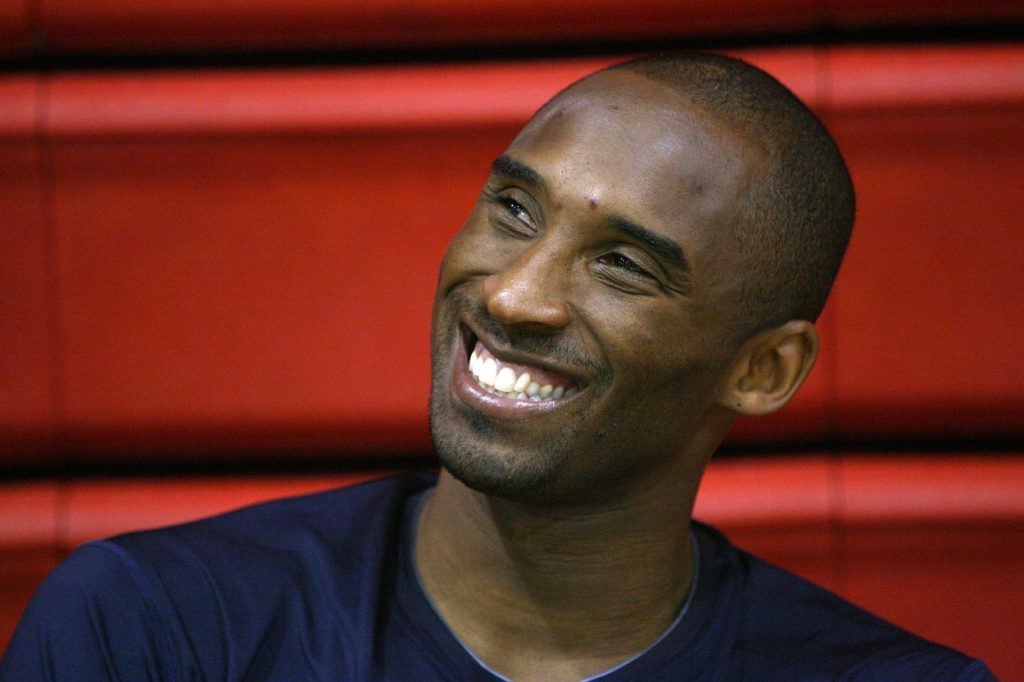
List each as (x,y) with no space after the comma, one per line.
(769,369)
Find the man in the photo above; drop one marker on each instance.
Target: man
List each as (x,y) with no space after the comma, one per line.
(644,264)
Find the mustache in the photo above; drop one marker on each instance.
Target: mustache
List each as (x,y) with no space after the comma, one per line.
(558,345)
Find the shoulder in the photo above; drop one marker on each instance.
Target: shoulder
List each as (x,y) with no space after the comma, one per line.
(91,619)
(353,516)
(257,552)
(790,628)
(313,549)
(199,596)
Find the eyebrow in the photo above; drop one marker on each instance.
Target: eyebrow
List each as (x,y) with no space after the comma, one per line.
(667,248)
(512,168)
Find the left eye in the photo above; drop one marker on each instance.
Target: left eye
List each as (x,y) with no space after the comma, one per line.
(617,260)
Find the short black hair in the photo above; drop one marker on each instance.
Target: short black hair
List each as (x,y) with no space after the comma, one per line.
(797,218)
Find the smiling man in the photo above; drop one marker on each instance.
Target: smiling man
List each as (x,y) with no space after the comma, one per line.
(644,264)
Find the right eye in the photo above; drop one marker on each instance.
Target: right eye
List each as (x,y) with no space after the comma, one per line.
(509,211)
(514,209)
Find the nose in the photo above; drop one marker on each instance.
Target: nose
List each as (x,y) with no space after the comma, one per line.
(530,290)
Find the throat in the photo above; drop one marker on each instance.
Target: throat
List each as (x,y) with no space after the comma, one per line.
(553,599)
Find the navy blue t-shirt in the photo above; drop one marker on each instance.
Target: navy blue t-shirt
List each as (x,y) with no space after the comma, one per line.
(324,587)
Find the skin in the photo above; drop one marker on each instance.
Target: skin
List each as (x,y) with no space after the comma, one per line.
(542,513)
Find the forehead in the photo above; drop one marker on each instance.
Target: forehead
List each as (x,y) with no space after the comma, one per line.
(630,144)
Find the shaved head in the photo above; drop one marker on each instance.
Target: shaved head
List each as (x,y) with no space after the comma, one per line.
(795,221)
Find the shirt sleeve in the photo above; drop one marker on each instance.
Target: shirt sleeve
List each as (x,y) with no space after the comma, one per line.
(977,672)
(90,620)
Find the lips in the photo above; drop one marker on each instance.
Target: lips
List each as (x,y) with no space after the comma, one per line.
(506,384)
(514,380)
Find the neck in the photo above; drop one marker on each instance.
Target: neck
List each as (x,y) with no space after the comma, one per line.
(550,594)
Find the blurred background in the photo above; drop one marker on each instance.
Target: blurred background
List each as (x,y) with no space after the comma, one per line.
(220,225)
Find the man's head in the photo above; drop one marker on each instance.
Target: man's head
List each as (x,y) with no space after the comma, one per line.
(797,218)
(652,247)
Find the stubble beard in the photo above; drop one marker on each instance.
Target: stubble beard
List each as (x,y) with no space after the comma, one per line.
(476,450)
(474,447)
(511,461)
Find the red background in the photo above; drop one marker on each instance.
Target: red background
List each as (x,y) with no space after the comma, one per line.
(225,263)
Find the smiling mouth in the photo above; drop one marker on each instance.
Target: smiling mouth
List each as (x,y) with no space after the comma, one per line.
(512,381)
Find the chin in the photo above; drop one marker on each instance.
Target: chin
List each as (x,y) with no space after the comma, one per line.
(468,450)
(480,450)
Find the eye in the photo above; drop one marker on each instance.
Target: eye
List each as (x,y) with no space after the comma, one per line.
(514,209)
(617,260)
(510,211)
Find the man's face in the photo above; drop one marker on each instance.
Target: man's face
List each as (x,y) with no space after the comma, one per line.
(597,261)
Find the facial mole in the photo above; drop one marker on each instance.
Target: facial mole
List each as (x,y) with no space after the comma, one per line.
(594,201)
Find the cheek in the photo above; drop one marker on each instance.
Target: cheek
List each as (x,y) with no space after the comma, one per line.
(660,348)
(476,251)
(647,330)
(457,261)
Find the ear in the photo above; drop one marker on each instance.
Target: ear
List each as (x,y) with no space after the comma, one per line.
(769,368)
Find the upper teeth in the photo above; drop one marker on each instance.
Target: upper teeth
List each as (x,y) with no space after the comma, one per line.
(504,381)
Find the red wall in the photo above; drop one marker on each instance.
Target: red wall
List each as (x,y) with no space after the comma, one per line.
(216,262)
(68,26)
